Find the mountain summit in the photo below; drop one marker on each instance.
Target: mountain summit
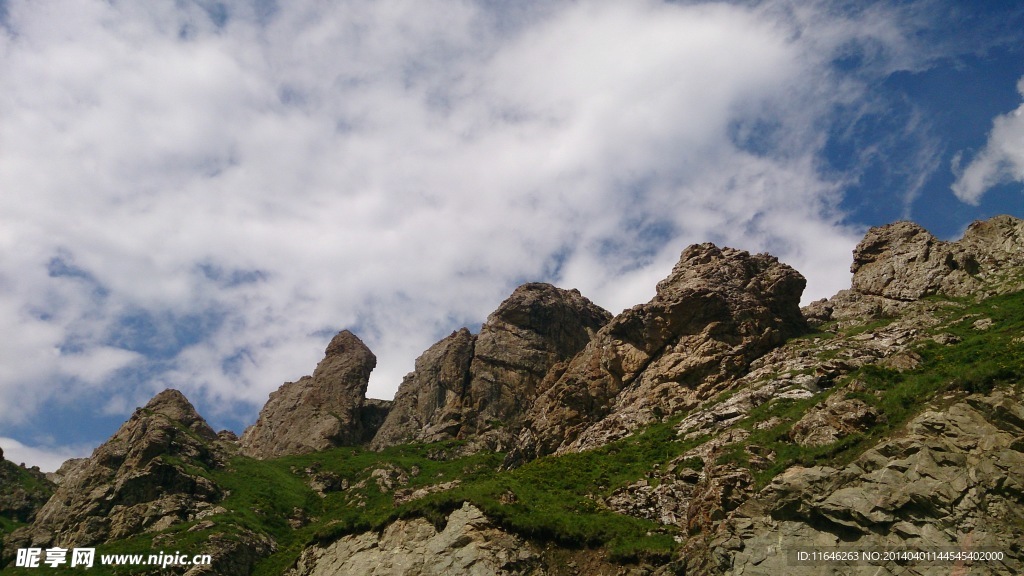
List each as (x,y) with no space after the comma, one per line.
(318,411)
(143,479)
(717,428)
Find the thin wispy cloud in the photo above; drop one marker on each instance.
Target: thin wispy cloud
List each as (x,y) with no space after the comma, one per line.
(1001,160)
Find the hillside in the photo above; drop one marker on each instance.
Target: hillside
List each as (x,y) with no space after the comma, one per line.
(716,429)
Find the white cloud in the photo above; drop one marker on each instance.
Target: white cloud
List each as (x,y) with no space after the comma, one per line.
(243,188)
(47,458)
(999,162)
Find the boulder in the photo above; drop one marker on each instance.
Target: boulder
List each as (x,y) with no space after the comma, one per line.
(832,420)
(468,544)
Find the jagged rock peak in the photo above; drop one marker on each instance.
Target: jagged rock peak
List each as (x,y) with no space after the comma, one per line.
(719,309)
(536,327)
(175,406)
(143,478)
(429,403)
(319,411)
(346,353)
(470,385)
(903,261)
(538,307)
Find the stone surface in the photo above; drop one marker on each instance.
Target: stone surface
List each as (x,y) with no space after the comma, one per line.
(319,411)
(234,554)
(955,479)
(832,420)
(138,480)
(902,261)
(429,403)
(468,385)
(66,469)
(468,544)
(717,311)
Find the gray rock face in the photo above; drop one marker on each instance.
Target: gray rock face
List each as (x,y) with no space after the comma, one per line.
(955,480)
(468,544)
(902,261)
(137,481)
(429,403)
(717,311)
(469,385)
(836,418)
(65,470)
(318,411)
(536,327)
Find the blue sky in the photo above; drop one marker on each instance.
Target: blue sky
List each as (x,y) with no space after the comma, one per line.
(198,194)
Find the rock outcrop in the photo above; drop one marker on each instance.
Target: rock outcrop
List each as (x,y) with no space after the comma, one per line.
(954,481)
(468,544)
(902,262)
(429,404)
(468,385)
(832,420)
(143,479)
(318,411)
(717,311)
(23,491)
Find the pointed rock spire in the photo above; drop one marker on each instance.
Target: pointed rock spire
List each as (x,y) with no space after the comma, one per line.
(318,411)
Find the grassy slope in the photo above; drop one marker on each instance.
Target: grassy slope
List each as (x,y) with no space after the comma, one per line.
(553,498)
(981,360)
(14,477)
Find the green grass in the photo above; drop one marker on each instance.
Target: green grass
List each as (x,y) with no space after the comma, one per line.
(552,498)
(8,525)
(981,361)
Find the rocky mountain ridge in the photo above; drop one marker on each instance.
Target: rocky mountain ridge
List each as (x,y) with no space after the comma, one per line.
(481,386)
(743,427)
(717,311)
(139,480)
